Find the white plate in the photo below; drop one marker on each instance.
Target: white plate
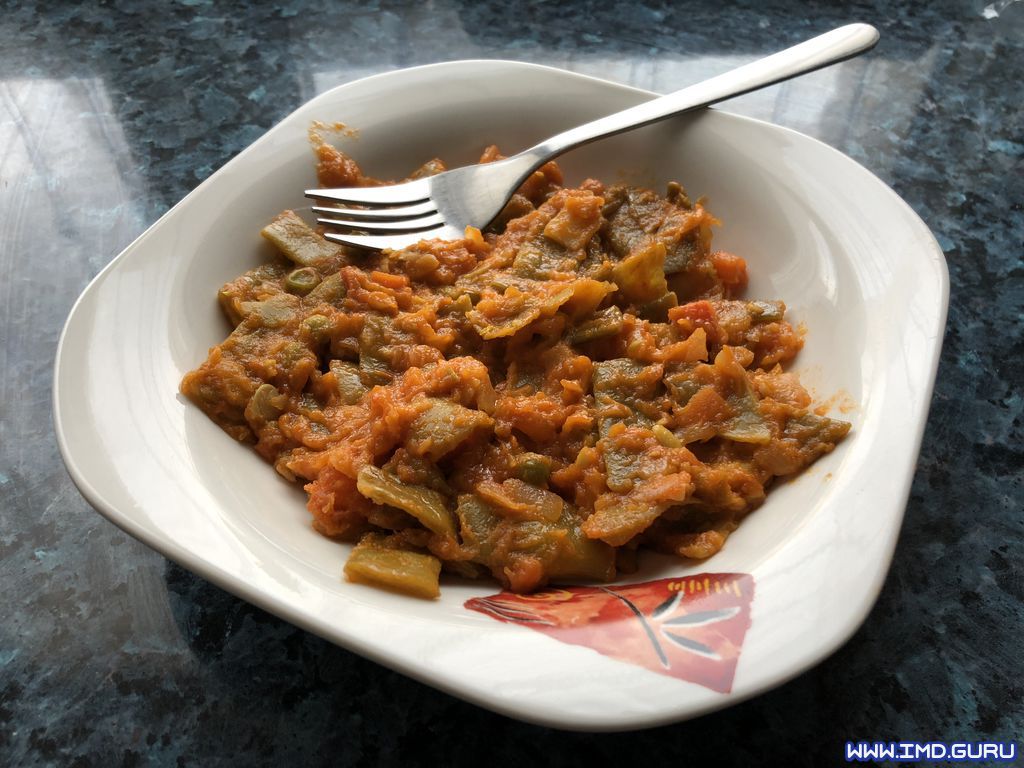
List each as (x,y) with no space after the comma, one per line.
(849,258)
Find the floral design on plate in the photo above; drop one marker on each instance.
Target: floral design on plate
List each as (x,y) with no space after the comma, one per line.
(690,628)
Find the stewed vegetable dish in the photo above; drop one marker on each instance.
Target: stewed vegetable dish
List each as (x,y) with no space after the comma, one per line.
(537,402)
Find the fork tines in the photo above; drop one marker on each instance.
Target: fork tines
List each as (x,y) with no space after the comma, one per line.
(401,215)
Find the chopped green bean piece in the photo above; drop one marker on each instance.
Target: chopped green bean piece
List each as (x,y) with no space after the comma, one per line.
(477,527)
(622,466)
(681,387)
(607,322)
(580,557)
(299,242)
(425,505)
(560,545)
(443,427)
(625,380)
(271,313)
(765,311)
(376,562)
(331,290)
(537,260)
(266,403)
(318,327)
(657,311)
(302,281)
(641,275)
(350,382)
(372,342)
(747,426)
(517,500)
(679,255)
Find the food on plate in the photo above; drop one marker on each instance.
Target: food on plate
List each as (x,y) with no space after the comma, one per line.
(536,402)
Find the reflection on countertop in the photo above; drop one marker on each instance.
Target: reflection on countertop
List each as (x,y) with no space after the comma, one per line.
(110,655)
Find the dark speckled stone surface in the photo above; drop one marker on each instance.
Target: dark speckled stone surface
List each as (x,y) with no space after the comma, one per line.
(110,655)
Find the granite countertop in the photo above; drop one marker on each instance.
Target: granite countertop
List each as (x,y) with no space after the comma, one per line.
(110,655)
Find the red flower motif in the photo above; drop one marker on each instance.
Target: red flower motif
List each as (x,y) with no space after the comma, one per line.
(690,628)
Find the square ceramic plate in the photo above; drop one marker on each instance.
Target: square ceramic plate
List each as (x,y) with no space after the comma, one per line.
(850,259)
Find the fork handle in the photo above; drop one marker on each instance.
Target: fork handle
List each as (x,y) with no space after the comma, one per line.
(821,51)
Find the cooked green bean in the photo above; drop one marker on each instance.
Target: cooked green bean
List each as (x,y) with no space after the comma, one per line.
(302,280)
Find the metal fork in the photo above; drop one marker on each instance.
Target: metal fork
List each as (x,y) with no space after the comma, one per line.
(442,206)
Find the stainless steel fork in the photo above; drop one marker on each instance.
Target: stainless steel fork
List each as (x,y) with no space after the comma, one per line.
(442,206)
